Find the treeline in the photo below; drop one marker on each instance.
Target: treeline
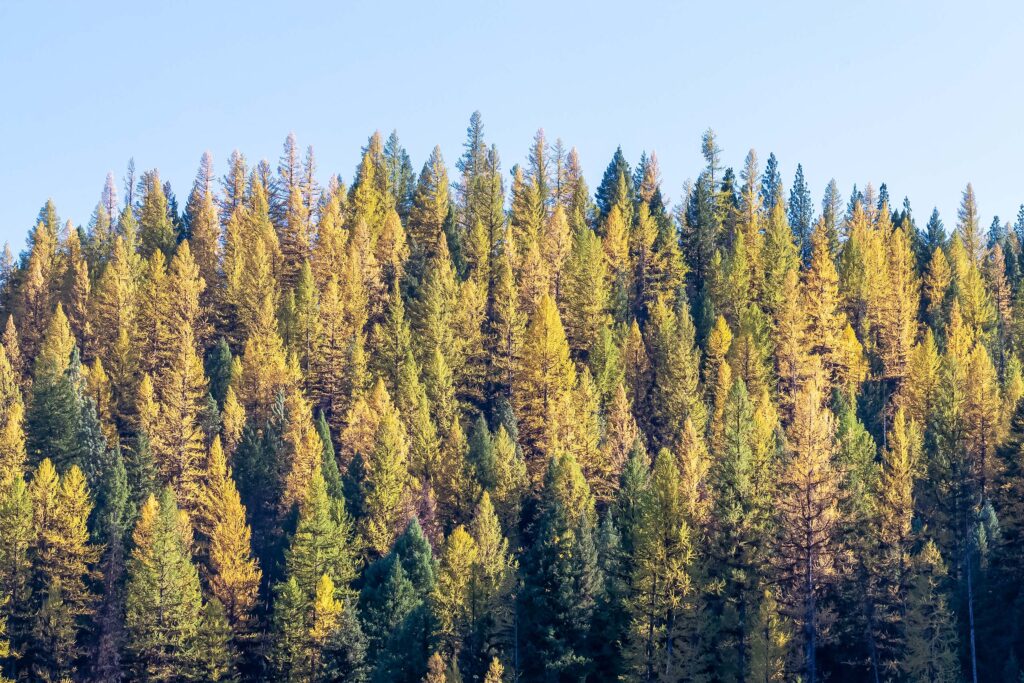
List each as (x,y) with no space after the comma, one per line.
(449,428)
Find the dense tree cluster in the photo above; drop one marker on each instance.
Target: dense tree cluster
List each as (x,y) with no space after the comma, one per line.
(468,426)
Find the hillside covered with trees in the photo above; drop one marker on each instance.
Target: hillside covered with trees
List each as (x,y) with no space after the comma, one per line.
(481,424)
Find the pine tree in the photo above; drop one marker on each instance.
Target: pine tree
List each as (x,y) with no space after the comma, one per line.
(780,256)
(323,542)
(51,421)
(801,213)
(561,577)
(741,518)
(163,600)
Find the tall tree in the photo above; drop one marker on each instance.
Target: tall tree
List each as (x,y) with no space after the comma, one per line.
(808,510)
(163,599)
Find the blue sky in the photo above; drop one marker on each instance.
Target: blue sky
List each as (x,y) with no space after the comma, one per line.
(924,96)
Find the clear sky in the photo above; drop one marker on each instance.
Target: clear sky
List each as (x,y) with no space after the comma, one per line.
(924,96)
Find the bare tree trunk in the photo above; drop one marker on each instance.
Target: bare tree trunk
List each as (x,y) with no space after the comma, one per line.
(970,618)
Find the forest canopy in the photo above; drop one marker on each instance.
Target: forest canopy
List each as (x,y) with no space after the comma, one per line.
(478,424)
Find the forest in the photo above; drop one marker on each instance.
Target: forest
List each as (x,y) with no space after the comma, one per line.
(484,424)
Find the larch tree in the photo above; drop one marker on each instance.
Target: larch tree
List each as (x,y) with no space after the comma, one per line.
(64,561)
(542,389)
(16,524)
(675,368)
(12,420)
(386,486)
(163,598)
(931,640)
(233,575)
(808,520)
(430,207)
(176,436)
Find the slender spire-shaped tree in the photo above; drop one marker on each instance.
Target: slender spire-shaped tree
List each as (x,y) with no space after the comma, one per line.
(163,598)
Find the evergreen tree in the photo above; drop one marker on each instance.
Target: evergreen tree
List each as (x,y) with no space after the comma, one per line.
(741,516)
(163,600)
(801,213)
(562,579)
(662,641)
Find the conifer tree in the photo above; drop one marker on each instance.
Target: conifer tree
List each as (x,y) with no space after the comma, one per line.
(265,369)
(303,450)
(16,523)
(451,597)
(64,563)
(542,387)
(430,207)
(323,542)
(895,532)
(52,418)
(780,256)
(808,508)
(561,577)
(369,194)
(233,575)
(820,297)
(741,518)
(675,365)
(156,232)
(176,436)
(506,324)
(491,584)
(386,488)
(12,418)
(931,641)
(968,226)
(163,600)
(321,565)
(801,213)
(661,642)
